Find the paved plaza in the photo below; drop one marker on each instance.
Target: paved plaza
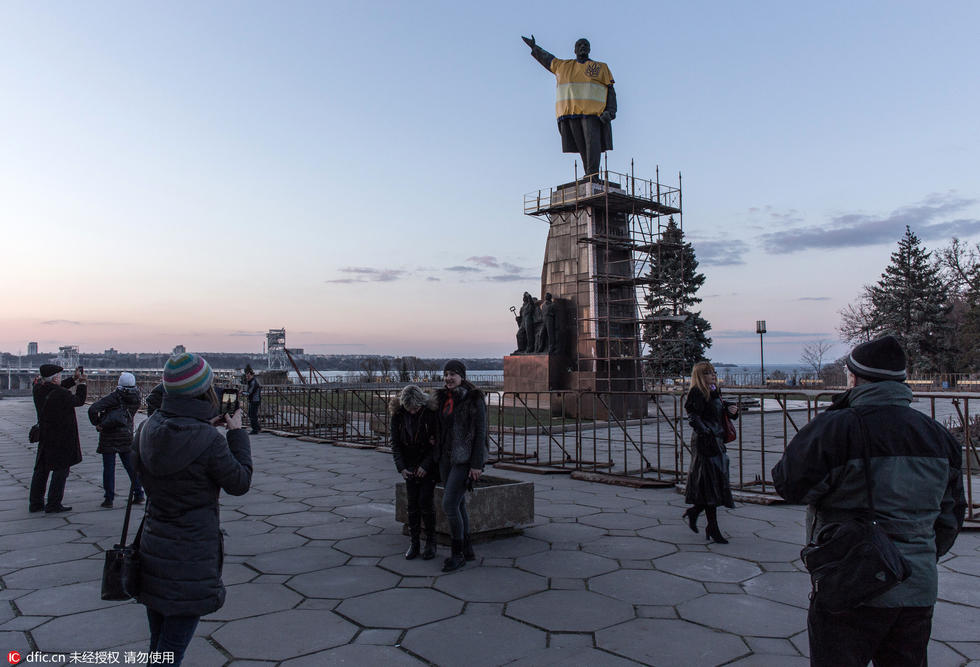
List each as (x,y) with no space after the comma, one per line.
(607,575)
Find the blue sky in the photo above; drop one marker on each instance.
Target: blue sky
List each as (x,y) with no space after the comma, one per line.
(196,173)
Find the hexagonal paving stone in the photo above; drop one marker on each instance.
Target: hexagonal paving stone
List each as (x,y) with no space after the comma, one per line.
(44,556)
(356,654)
(265,509)
(338,531)
(570,611)
(656,641)
(384,544)
(251,545)
(63,600)
(236,573)
(297,561)
(366,510)
(674,533)
(629,548)
(559,510)
(416,567)
(284,634)
(57,574)
(566,564)
(101,628)
(15,641)
(792,588)
(702,566)
(954,623)
(246,600)
(646,587)
(343,582)
(745,615)
(491,584)
(400,608)
(959,588)
(511,547)
(752,548)
(498,640)
(773,661)
(41,539)
(619,521)
(571,657)
(243,527)
(333,500)
(307,517)
(964,565)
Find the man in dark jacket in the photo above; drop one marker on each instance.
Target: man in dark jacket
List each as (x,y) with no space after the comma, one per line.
(918,496)
(59,447)
(253,390)
(112,415)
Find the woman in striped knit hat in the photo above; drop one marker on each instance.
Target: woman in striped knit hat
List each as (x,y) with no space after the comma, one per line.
(184,462)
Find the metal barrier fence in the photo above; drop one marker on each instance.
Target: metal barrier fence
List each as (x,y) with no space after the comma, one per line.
(634,437)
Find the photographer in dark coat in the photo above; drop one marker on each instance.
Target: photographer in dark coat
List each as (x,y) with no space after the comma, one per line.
(413,446)
(59,448)
(112,415)
(917,488)
(462,454)
(184,463)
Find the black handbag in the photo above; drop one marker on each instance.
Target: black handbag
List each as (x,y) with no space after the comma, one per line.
(121,572)
(116,418)
(34,435)
(853,561)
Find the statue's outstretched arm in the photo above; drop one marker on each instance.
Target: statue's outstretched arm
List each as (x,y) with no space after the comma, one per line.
(610,111)
(538,53)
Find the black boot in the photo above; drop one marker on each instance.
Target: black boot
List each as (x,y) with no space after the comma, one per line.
(414,549)
(457,560)
(468,553)
(712,532)
(430,547)
(692,517)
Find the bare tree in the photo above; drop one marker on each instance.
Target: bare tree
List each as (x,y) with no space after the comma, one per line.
(385,364)
(814,353)
(857,321)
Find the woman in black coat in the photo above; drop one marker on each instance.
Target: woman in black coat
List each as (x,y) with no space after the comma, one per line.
(413,446)
(184,463)
(462,454)
(112,415)
(707,480)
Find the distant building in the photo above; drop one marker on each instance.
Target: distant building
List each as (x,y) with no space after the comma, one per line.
(111,352)
(67,356)
(276,349)
(179,349)
(31,348)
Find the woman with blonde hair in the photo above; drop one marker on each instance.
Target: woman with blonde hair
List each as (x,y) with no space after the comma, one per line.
(707,479)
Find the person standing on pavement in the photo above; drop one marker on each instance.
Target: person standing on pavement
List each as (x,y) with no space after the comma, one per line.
(413,446)
(184,463)
(917,487)
(58,448)
(254,392)
(707,480)
(112,415)
(463,453)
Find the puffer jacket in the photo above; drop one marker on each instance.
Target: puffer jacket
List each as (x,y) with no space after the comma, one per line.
(413,437)
(117,440)
(184,463)
(462,428)
(915,471)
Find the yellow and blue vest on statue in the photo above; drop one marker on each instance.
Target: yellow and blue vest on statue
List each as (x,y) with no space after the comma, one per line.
(582,87)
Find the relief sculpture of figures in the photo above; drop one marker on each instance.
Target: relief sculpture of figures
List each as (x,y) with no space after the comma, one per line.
(585,102)
(549,309)
(528,323)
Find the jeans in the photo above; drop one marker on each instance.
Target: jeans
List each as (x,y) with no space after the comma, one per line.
(171,633)
(888,636)
(420,504)
(253,416)
(109,474)
(56,492)
(454,501)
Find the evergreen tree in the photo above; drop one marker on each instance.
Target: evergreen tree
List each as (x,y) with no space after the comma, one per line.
(675,335)
(912,301)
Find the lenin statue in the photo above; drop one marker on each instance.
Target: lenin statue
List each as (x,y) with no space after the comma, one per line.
(585,102)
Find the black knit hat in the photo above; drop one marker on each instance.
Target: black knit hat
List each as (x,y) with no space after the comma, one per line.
(456,366)
(879,359)
(47,370)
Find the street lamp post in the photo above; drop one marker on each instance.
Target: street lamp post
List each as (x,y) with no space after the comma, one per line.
(760,328)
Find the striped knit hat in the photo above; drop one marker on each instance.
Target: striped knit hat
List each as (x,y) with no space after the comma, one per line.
(187,375)
(879,359)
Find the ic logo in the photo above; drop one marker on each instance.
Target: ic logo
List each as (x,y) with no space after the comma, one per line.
(13,657)
(592,69)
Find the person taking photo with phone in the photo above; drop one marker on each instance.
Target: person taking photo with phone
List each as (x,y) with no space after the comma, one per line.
(184,463)
(112,415)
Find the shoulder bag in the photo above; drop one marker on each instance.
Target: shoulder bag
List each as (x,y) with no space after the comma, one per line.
(853,561)
(34,435)
(121,572)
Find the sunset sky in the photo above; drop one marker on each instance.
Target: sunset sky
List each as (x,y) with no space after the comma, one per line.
(197,173)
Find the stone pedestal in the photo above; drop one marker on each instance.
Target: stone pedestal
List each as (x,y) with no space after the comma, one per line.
(533,373)
(497,506)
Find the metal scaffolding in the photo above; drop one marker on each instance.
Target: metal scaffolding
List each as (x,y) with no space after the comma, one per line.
(625,219)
